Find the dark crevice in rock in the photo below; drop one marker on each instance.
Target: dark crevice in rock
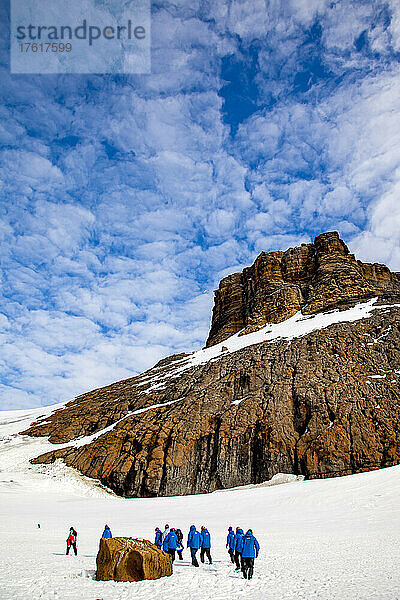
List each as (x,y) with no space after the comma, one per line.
(164,475)
(301,413)
(303,468)
(213,444)
(130,480)
(258,472)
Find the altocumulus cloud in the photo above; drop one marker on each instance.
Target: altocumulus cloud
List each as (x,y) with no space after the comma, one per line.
(125,199)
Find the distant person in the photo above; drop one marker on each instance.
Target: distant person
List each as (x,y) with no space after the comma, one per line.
(250,551)
(205,545)
(107,532)
(230,544)
(165,533)
(71,541)
(179,550)
(194,543)
(158,538)
(238,548)
(38,525)
(171,542)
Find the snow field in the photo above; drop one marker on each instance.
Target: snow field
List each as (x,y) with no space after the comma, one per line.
(325,539)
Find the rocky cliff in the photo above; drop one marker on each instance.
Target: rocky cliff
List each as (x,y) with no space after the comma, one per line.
(309,278)
(316,395)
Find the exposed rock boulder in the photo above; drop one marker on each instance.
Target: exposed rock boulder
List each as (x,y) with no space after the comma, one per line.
(128,559)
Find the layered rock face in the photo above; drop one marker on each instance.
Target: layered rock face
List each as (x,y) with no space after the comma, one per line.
(322,404)
(128,559)
(309,278)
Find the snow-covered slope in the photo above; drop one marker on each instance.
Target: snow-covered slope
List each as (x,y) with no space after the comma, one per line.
(325,539)
(155,379)
(297,326)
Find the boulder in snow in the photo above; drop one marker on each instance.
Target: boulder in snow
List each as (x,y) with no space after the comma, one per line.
(129,559)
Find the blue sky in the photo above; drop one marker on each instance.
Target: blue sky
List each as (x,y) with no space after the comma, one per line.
(125,199)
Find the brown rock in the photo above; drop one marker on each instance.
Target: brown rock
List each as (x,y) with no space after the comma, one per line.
(129,559)
(306,407)
(310,278)
(324,404)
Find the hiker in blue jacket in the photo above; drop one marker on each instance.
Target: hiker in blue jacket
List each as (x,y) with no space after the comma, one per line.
(205,545)
(107,532)
(238,544)
(158,538)
(230,544)
(194,543)
(165,542)
(250,551)
(171,543)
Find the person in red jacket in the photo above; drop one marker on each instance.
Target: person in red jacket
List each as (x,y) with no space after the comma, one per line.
(71,540)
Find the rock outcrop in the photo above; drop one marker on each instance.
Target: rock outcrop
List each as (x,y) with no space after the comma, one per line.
(129,559)
(322,404)
(310,278)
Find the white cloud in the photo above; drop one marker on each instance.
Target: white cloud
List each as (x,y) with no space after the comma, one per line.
(305,11)
(344,23)
(341,202)
(381,241)
(24,171)
(280,242)
(394,27)
(124,201)
(221,223)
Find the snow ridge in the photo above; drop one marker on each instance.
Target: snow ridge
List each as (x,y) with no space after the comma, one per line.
(297,326)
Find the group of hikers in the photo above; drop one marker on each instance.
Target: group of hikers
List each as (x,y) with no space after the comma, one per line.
(171,541)
(243,548)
